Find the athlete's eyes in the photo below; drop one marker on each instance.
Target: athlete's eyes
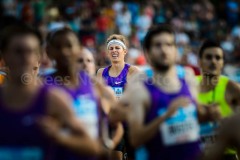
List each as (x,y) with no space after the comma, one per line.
(210,57)
(112,48)
(159,44)
(89,61)
(80,60)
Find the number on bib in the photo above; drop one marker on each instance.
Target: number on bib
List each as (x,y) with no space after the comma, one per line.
(180,128)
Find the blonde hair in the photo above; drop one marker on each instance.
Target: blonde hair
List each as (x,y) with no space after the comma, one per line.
(118,37)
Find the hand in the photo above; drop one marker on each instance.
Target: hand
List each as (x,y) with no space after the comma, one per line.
(213,111)
(119,112)
(175,104)
(50,126)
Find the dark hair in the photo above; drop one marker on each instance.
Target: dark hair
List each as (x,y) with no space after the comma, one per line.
(208,44)
(153,31)
(10,32)
(51,35)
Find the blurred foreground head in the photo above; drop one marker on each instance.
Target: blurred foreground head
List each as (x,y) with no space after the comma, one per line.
(20,48)
(160,47)
(64,47)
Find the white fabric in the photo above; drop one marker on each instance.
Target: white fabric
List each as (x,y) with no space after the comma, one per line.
(118,42)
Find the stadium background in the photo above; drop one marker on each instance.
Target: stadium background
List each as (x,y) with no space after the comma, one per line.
(95,20)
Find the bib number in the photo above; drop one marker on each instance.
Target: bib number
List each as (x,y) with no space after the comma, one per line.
(118,92)
(86,110)
(180,128)
(208,134)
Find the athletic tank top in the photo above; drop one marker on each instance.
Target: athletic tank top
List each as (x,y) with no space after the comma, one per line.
(178,136)
(117,83)
(217,95)
(86,108)
(20,136)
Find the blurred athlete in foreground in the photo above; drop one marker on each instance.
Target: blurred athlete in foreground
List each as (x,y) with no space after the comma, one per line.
(90,98)
(163,117)
(32,115)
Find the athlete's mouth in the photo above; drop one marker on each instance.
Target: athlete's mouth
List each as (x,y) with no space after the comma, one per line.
(115,55)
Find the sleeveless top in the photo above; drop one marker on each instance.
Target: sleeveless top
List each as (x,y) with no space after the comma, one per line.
(86,107)
(117,83)
(20,136)
(217,95)
(178,136)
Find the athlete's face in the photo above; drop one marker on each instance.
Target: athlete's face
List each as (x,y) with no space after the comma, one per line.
(23,55)
(212,61)
(163,52)
(64,49)
(116,53)
(86,62)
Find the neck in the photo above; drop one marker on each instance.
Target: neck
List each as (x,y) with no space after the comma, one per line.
(26,82)
(169,74)
(117,67)
(209,82)
(67,74)
(167,80)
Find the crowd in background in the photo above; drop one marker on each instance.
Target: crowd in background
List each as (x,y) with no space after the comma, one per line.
(94,20)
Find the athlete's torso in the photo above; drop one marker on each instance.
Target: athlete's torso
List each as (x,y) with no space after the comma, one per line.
(117,83)
(178,136)
(20,136)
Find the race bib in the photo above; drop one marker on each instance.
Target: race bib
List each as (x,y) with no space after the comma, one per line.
(21,153)
(208,134)
(118,92)
(180,128)
(86,110)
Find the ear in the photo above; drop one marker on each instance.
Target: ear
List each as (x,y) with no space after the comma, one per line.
(125,51)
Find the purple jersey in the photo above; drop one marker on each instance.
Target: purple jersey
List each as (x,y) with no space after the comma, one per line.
(20,136)
(117,83)
(178,136)
(85,105)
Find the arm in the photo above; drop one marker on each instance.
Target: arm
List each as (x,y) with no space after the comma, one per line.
(117,134)
(191,81)
(77,139)
(99,75)
(133,70)
(226,138)
(232,95)
(108,99)
(138,100)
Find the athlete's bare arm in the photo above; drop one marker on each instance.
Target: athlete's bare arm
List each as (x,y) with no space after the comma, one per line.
(232,95)
(133,70)
(228,136)
(99,74)
(63,116)
(138,99)
(108,100)
(191,81)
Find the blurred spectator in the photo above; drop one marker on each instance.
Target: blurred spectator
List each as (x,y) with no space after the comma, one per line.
(123,21)
(232,7)
(88,29)
(94,20)
(102,24)
(143,23)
